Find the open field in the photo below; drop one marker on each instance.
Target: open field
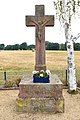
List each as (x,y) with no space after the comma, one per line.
(21,62)
(26,60)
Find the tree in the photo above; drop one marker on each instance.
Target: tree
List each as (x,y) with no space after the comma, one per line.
(52,46)
(23,46)
(2,46)
(64,12)
(31,47)
(55,46)
(9,47)
(16,47)
(76,46)
(47,45)
(62,47)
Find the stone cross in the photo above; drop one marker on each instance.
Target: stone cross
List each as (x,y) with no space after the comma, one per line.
(40,20)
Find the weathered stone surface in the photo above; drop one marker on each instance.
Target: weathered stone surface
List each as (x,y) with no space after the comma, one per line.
(40,20)
(40,97)
(40,105)
(40,90)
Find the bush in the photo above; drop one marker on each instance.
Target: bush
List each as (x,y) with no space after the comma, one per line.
(17,81)
(9,83)
(12,83)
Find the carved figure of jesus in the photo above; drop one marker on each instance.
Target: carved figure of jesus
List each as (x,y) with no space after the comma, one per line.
(40,25)
(38,34)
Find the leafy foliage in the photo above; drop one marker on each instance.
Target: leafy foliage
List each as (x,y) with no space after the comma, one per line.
(12,83)
(23,46)
(52,46)
(2,46)
(38,74)
(49,46)
(42,73)
(72,7)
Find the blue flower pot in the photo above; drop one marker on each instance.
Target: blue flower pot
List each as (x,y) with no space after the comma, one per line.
(41,80)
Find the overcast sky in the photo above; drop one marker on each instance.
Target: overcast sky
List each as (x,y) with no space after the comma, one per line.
(12,22)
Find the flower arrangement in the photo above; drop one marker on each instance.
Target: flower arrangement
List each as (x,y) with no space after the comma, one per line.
(41,74)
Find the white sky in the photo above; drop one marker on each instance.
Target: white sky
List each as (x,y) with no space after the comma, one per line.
(12,22)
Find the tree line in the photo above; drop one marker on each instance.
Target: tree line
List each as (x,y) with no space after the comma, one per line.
(22,46)
(49,46)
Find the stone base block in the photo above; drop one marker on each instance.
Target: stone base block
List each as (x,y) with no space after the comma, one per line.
(40,90)
(40,97)
(40,105)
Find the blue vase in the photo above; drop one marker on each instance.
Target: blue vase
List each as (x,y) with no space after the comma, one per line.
(41,80)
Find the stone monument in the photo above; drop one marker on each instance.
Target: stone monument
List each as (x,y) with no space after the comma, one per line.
(40,97)
(40,20)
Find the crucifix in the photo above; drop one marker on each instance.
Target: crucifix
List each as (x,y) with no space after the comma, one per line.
(40,21)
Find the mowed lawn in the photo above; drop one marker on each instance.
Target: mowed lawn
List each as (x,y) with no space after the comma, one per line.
(55,60)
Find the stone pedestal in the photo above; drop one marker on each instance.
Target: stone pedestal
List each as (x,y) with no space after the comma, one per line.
(40,97)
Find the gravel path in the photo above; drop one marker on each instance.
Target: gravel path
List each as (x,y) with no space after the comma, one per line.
(8,108)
